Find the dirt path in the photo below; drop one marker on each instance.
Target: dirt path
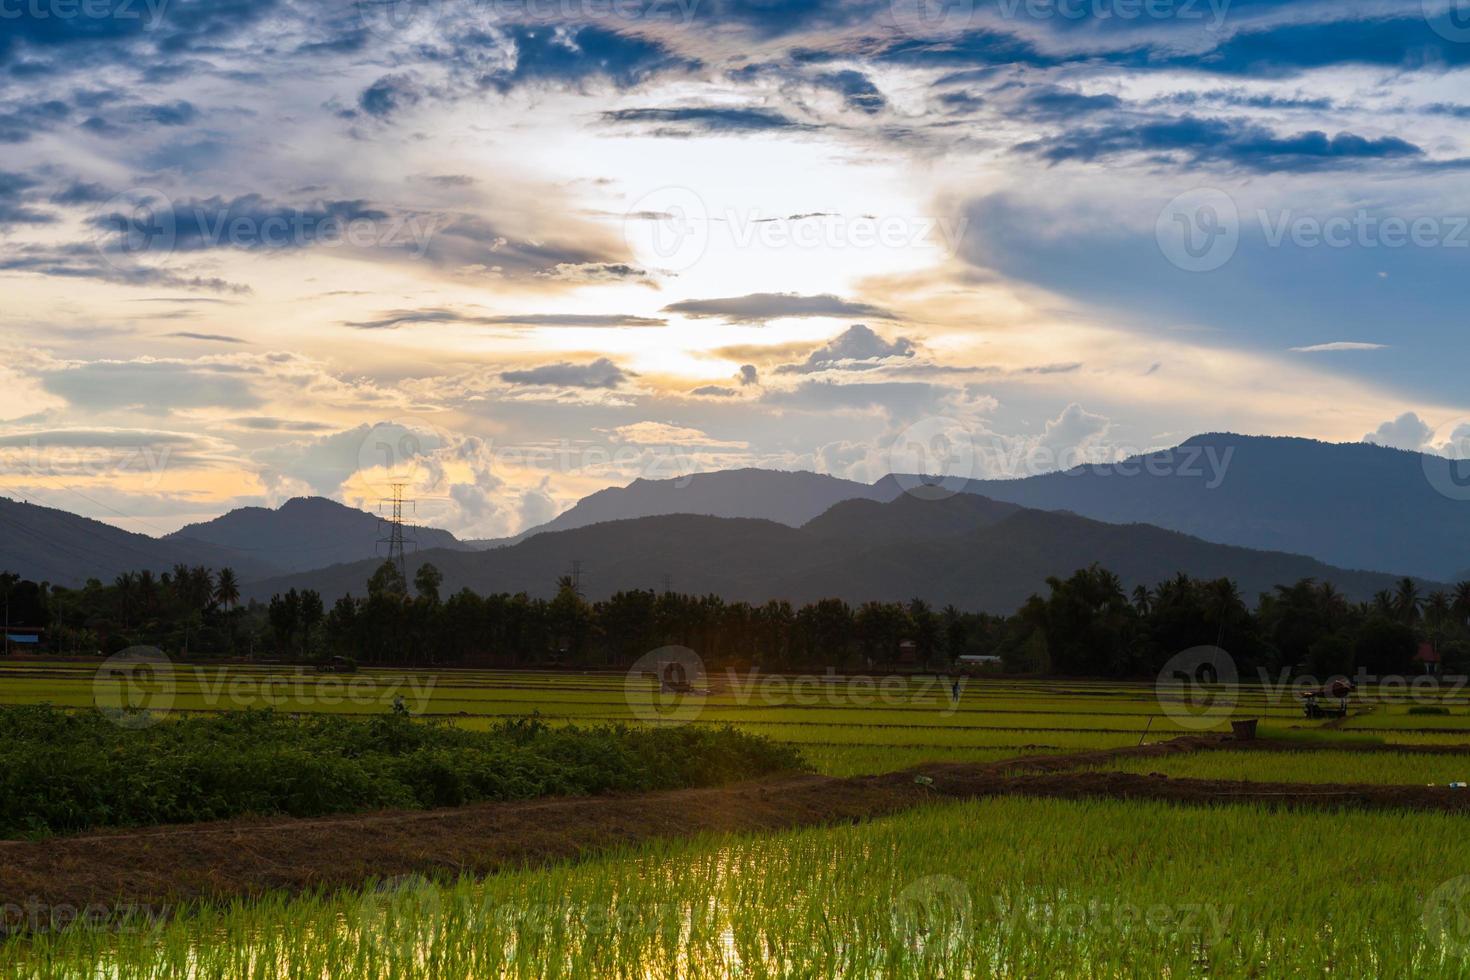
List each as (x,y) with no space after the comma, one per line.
(165,866)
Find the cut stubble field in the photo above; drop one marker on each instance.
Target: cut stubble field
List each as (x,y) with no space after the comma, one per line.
(1316,851)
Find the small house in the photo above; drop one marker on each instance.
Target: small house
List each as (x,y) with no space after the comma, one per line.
(1429,657)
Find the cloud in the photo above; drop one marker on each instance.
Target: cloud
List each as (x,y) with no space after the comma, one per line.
(537,506)
(1408,431)
(1072,430)
(1337,345)
(19,122)
(601,373)
(402,318)
(715,391)
(857,90)
(98,438)
(1191,140)
(78,261)
(267,423)
(857,348)
(216,337)
(254,222)
(686,120)
(665,434)
(14,191)
(758,307)
(573,55)
(153,387)
(1051,102)
(388,95)
(749,375)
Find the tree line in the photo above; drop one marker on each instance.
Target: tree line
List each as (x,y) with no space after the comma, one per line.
(1087,624)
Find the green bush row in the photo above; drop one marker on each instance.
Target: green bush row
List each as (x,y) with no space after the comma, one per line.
(63,772)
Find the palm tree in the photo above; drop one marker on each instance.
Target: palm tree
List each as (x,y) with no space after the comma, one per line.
(1406,601)
(1461,604)
(1383,603)
(227,588)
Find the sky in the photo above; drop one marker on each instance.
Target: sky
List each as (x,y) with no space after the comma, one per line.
(509,252)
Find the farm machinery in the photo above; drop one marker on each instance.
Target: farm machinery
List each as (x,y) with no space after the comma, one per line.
(1318,702)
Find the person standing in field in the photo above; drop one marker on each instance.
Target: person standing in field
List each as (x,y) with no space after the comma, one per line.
(954,690)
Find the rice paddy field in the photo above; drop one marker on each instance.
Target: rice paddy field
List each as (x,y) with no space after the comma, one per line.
(1003,886)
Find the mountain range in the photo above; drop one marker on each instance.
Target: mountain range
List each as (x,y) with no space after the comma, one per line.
(304,533)
(1286,508)
(976,553)
(50,545)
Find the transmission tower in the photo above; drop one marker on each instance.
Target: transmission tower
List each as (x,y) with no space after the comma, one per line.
(394,537)
(577,576)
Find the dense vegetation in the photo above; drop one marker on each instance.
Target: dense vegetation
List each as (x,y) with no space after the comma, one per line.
(1085,625)
(62,771)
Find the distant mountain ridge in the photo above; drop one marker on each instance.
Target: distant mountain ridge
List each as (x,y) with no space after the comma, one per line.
(1354,505)
(304,533)
(1349,505)
(49,545)
(966,550)
(790,497)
